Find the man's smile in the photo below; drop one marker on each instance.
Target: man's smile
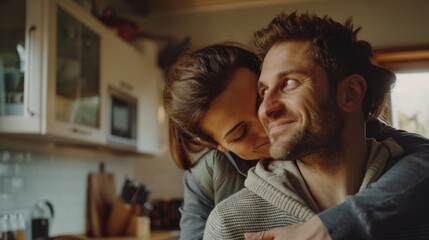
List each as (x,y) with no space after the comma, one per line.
(279,125)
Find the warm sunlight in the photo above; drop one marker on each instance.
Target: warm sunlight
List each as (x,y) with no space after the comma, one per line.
(410,96)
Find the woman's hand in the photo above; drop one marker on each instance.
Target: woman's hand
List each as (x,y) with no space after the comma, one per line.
(312,229)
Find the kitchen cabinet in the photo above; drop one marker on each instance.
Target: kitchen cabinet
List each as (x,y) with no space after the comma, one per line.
(140,81)
(58,65)
(75,90)
(20,66)
(50,71)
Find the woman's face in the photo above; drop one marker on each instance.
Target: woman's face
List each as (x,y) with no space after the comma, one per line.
(232,119)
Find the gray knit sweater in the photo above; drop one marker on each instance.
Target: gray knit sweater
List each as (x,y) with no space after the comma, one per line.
(276,195)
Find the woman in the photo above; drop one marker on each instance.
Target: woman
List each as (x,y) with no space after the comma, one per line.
(210,98)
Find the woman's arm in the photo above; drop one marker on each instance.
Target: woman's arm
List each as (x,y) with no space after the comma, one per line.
(399,196)
(374,213)
(196,209)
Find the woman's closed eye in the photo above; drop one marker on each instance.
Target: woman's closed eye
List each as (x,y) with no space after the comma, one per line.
(239,134)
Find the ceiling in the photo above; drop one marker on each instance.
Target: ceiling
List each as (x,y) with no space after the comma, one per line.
(145,7)
(184,4)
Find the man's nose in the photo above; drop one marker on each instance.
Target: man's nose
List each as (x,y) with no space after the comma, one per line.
(270,106)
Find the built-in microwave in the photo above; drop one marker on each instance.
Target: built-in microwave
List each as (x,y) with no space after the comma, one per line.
(122,120)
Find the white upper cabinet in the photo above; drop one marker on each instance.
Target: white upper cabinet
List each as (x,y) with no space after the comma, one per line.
(74,106)
(63,74)
(21,45)
(133,80)
(50,70)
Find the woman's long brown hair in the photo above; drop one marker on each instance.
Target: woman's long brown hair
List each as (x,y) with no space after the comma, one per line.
(193,82)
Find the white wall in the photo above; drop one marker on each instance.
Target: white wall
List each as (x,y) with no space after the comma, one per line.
(385,23)
(31,172)
(161,175)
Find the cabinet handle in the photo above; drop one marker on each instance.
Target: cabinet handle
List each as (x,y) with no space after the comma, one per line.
(30,68)
(80,131)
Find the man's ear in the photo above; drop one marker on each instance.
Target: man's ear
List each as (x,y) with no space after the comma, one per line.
(351,92)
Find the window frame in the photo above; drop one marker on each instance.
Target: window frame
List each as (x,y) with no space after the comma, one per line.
(404,59)
(401,60)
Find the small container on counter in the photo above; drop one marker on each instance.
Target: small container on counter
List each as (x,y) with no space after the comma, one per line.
(3,228)
(142,218)
(42,215)
(20,232)
(12,226)
(143,227)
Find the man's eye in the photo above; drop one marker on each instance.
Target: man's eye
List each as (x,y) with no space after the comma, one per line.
(290,84)
(262,91)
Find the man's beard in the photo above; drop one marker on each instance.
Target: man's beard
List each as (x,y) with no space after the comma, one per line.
(321,136)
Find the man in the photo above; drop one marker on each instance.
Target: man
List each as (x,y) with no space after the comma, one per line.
(318,89)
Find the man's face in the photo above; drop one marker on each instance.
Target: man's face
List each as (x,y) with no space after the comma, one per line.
(298,110)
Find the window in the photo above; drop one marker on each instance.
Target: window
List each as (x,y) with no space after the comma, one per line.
(409,109)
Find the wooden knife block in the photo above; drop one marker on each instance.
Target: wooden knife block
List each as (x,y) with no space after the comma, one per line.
(122,220)
(101,196)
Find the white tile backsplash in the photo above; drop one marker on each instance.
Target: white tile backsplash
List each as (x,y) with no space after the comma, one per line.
(57,176)
(31,172)
(161,175)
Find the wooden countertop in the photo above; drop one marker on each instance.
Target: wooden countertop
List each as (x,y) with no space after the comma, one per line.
(155,235)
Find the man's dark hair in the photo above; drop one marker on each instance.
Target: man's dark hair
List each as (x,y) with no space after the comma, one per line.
(334,47)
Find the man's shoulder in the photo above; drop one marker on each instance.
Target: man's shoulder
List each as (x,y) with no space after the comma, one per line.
(245,204)
(226,219)
(244,212)
(242,198)
(241,203)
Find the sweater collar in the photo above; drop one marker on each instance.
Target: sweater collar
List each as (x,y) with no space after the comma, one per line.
(281,183)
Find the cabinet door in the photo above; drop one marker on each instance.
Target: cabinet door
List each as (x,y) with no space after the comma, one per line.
(20,66)
(122,69)
(136,75)
(75,75)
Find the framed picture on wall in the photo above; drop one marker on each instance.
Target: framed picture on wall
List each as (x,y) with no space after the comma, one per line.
(408,104)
